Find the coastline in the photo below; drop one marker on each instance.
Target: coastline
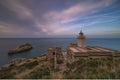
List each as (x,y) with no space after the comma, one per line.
(41,68)
(41,45)
(74,63)
(18,60)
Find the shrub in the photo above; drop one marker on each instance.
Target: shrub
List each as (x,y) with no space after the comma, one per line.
(57,69)
(31,64)
(6,74)
(81,61)
(59,61)
(68,65)
(41,73)
(52,60)
(66,72)
(93,63)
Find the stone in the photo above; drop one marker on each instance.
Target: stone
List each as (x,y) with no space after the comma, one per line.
(22,48)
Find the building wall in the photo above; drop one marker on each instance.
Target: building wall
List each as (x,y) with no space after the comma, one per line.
(92,55)
(56,54)
(81,43)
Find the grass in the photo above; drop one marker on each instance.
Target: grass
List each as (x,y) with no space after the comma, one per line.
(82,69)
(6,73)
(41,73)
(93,69)
(31,64)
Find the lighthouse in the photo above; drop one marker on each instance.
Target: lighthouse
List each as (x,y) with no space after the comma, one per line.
(81,40)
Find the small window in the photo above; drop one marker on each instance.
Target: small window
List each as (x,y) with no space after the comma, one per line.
(53,53)
(91,58)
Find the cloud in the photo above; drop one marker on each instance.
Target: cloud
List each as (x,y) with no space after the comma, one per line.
(78,10)
(52,22)
(23,13)
(18,8)
(6,28)
(74,13)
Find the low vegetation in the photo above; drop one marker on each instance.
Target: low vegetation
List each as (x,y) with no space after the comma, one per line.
(30,65)
(44,72)
(82,69)
(7,72)
(93,69)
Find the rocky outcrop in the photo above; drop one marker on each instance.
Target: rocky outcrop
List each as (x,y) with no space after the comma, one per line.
(21,48)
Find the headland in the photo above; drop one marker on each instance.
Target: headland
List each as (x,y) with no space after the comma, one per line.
(77,62)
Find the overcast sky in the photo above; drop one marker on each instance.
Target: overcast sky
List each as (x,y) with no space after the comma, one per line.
(59,18)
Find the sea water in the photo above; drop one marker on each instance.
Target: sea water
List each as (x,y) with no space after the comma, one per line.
(40,46)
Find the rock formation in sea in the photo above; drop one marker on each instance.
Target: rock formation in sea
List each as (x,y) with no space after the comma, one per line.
(21,48)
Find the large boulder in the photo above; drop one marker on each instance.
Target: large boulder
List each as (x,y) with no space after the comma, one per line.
(21,48)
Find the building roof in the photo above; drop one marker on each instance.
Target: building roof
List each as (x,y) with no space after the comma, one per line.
(90,49)
(81,33)
(74,49)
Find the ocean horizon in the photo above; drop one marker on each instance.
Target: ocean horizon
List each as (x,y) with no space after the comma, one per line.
(40,46)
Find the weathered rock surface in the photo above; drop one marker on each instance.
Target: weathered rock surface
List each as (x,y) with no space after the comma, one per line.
(21,48)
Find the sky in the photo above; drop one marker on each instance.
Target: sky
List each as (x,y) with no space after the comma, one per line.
(59,18)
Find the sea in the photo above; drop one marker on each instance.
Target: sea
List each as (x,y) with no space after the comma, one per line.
(41,45)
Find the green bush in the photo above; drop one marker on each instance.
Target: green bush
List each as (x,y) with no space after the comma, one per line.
(68,65)
(6,74)
(52,60)
(93,69)
(31,64)
(81,61)
(59,61)
(57,69)
(93,63)
(41,73)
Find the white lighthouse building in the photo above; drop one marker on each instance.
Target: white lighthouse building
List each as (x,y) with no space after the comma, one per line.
(81,40)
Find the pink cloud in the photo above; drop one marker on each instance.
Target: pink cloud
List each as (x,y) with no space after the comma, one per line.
(78,10)
(73,13)
(54,19)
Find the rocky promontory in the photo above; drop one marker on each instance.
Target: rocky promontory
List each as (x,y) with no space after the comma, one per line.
(41,68)
(21,48)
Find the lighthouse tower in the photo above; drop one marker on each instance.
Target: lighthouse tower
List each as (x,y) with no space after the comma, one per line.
(81,40)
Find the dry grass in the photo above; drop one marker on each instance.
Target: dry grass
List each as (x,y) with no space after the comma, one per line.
(40,67)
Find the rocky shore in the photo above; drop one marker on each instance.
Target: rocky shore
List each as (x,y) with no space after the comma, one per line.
(21,48)
(41,68)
